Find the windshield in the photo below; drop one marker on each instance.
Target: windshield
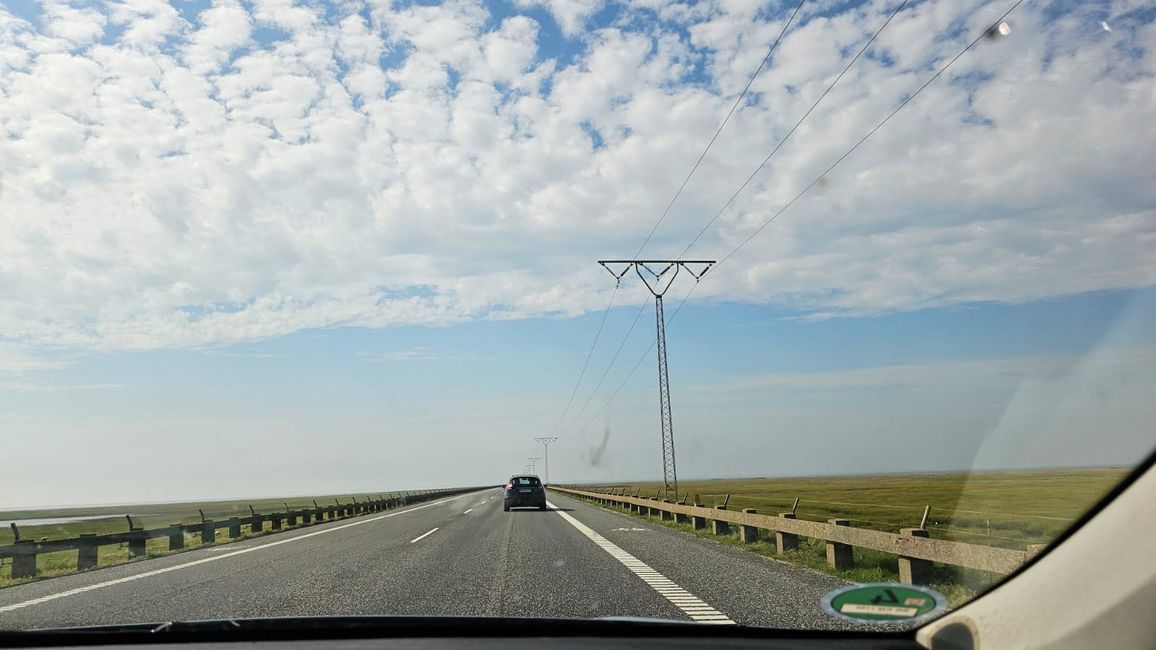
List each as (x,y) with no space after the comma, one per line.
(299,298)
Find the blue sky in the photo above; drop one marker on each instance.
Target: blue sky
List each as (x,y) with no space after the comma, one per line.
(261,235)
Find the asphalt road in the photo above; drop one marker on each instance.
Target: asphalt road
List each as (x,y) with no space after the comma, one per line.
(457,556)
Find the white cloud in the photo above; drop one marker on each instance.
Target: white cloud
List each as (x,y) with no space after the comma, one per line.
(418,353)
(571,15)
(180,183)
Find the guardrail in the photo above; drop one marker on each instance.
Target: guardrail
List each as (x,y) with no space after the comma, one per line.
(24,552)
(915,549)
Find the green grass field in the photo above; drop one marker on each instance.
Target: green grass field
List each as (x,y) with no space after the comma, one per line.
(147,516)
(1007,509)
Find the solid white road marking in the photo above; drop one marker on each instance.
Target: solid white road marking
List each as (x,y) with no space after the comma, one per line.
(421,537)
(695,608)
(211,558)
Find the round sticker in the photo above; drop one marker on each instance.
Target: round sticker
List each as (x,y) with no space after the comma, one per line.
(884,602)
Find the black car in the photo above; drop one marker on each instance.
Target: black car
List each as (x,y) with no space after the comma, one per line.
(525,491)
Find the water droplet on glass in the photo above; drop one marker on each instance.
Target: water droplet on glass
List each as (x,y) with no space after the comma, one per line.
(1002,28)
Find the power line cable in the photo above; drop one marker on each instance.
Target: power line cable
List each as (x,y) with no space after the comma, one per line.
(726,119)
(606,371)
(662,217)
(870,133)
(783,141)
(828,170)
(586,363)
(793,129)
(683,185)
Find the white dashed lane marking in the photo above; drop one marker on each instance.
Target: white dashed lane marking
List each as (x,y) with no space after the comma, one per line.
(215,558)
(421,537)
(690,605)
(468,511)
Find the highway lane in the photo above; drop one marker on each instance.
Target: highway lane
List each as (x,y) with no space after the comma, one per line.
(459,556)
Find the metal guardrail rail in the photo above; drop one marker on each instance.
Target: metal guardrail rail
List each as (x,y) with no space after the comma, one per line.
(916,551)
(24,552)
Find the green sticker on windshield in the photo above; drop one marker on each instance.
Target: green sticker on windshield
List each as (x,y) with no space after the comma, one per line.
(883,602)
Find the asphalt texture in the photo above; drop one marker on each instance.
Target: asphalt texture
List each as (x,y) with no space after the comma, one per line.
(480,561)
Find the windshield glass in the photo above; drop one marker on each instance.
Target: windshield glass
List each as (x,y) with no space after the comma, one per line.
(866,287)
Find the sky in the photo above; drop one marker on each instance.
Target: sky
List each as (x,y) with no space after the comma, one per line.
(275,248)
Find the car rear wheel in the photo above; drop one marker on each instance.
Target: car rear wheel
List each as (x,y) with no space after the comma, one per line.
(506,507)
(542,507)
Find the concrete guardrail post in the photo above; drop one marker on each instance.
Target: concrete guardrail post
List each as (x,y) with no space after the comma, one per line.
(749,534)
(275,521)
(786,541)
(208,532)
(136,543)
(176,537)
(24,561)
(306,517)
(914,571)
(719,527)
(87,552)
(839,556)
(697,522)
(257,524)
(291,518)
(234,527)
(666,514)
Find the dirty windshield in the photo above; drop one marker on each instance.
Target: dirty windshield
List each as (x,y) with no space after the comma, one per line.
(778,300)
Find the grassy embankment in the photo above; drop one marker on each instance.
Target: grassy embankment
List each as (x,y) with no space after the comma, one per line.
(1007,509)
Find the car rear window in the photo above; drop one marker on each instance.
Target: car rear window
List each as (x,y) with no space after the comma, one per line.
(524,481)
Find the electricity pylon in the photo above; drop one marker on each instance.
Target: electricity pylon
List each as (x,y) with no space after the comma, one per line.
(658,287)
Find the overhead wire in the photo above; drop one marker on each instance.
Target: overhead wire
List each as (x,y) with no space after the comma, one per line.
(606,371)
(586,363)
(726,119)
(870,133)
(662,217)
(794,128)
(806,189)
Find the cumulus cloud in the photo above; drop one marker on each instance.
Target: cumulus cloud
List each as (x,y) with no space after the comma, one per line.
(571,15)
(247,170)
